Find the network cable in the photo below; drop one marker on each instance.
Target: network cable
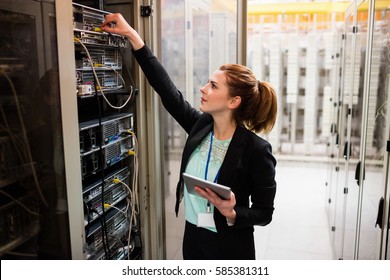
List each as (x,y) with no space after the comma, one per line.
(107,206)
(135,204)
(105,239)
(98,86)
(132,191)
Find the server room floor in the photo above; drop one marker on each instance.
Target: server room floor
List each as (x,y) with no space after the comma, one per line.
(299,230)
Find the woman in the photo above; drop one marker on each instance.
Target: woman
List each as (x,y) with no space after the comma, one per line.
(221,147)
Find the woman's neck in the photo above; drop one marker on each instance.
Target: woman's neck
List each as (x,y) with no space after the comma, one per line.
(224,130)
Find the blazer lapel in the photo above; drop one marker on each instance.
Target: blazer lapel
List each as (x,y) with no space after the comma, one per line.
(233,156)
(228,171)
(193,141)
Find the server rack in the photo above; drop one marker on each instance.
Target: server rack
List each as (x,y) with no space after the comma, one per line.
(68,136)
(108,146)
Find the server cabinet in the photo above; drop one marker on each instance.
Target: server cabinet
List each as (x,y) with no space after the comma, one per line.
(374,193)
(339,221)
(33,198)
(68,134)
(359,225)
(107,135)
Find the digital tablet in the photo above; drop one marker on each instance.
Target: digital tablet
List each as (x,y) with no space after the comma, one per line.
(192,181)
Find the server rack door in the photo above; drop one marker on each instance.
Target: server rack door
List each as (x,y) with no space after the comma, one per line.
(380,74)
(364,129)
(33,203)
(344,177)
(370,177)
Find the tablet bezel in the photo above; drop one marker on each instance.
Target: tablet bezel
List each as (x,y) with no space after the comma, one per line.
(191,181)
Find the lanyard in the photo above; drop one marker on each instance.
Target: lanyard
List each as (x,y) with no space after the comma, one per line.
(208,159)
(207,166)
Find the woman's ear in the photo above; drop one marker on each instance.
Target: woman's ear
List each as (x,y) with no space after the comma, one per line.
(234,102)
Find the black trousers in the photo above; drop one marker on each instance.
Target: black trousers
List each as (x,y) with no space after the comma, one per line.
(203,244)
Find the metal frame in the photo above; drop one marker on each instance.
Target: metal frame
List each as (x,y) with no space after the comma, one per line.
(149,130)
(66,64)
(363,141)
(242,38)
(384,250)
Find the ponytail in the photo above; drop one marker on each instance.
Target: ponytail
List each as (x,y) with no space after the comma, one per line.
(265,116)
(258,108)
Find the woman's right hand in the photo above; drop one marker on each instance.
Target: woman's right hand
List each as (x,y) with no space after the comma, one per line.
(116,24)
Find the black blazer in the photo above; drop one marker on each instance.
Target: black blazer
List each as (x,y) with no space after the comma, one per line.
(248,168)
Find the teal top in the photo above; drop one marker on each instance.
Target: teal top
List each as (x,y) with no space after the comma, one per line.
(194,204)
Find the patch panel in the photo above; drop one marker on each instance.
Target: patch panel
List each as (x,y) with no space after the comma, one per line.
(100,39)
(86,26)
(86,18)
(101,57)
(109,80)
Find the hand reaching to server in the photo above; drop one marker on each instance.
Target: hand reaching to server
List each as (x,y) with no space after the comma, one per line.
(116,24)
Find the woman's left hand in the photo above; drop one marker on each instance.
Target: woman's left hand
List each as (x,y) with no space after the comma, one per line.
(224,206)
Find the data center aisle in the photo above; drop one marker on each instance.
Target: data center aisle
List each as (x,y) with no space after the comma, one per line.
(299,230)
